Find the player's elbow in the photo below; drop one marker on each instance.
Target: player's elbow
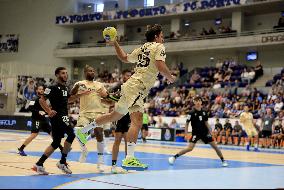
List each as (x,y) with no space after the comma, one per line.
(123,58)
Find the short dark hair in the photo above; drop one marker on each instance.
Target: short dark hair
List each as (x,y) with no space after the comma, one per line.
(58,69)
(37,87)
(87,67)
(126,71)
(152,32)
(197,98)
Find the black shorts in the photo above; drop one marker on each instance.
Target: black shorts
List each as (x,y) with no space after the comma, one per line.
(206,138)
(266,134)
(41,125)
(60,126)
(145,127)
(123,124)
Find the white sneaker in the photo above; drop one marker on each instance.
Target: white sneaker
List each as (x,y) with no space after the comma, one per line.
(116,170)
(64,168)
(172,160)
(225,164)
(40,170)
(84,154)
(107,152)
(100,163)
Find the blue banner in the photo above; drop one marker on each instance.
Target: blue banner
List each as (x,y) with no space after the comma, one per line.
(146,12)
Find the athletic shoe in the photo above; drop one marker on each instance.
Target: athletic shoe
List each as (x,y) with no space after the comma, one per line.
(40,170)
(225,164)
(107,152)
(81,136)
(100,164)
(116,170)
(248,147)
(172,160)
(133,164)
(22,152)
(84,154)
(256,150)
(64,168)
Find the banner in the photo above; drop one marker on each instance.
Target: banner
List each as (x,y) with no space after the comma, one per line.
(9,43)
(155,134)
(15,123)
(145,12)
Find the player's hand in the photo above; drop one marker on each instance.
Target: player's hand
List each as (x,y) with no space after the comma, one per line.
(52,113)
(41,113)
(172,79)
(111,42)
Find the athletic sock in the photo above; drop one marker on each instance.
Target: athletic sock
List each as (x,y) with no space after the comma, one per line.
(22,147)
(63,158)
(41,160)
(176,156)
(100,147)
(114,162)
(130,150)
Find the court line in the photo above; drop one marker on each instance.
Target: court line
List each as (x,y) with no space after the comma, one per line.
(74,177)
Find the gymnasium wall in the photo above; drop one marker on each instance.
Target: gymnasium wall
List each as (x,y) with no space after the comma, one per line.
(34,21)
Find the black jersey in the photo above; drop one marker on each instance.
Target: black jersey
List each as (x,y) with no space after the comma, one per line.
(58,95)
(228,126)
(198,121)
(278,130)
(35,108)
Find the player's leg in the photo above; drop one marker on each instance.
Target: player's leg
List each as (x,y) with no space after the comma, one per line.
(62,165)
(106,134)
(115,150)
(219,153)
(98,132)
(189,148)
(132,136)
(26,143)
(38,167)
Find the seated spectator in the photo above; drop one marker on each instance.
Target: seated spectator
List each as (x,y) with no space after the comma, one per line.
(238,132)
(248,75)
(258,69)
(204,32)
(277,133)
(195,78)
(219,76)
(211,31)
(228,130)
(219,64)
(218,131)
(174,124)
(227,76)
(278,106)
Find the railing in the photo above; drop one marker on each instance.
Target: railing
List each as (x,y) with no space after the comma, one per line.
(182,39)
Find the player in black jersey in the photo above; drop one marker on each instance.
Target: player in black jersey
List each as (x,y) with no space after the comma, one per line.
(122,126)
(39,121)
(200,131)
(58,96)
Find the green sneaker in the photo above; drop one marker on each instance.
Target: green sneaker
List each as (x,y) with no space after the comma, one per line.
(133,164)
(81,136)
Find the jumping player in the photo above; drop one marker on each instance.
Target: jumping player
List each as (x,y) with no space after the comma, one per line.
(200,131)
(58,96)
(150,60)
(39,121)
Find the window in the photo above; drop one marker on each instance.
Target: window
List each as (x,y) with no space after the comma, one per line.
(149,3)
(99,8)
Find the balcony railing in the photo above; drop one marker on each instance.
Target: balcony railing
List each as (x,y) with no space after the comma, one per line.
(181,39)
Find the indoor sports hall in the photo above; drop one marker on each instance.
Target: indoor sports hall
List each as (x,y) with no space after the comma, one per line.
(197,77)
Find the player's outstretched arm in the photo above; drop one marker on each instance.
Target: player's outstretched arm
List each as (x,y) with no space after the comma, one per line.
(120,52)
(165,71)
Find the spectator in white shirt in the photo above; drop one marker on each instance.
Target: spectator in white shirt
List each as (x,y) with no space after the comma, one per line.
(278,106)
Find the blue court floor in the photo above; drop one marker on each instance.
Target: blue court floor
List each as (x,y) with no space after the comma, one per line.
(188,172)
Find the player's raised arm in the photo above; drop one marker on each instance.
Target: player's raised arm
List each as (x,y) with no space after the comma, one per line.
(120,52)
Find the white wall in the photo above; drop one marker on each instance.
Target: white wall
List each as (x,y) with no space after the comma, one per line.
(34,21)
(261,22)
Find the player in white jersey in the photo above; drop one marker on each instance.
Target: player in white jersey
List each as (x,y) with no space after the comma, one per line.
(150,60)
(91,93)
(246,119)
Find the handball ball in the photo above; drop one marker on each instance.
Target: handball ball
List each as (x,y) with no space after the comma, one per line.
(109,33)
